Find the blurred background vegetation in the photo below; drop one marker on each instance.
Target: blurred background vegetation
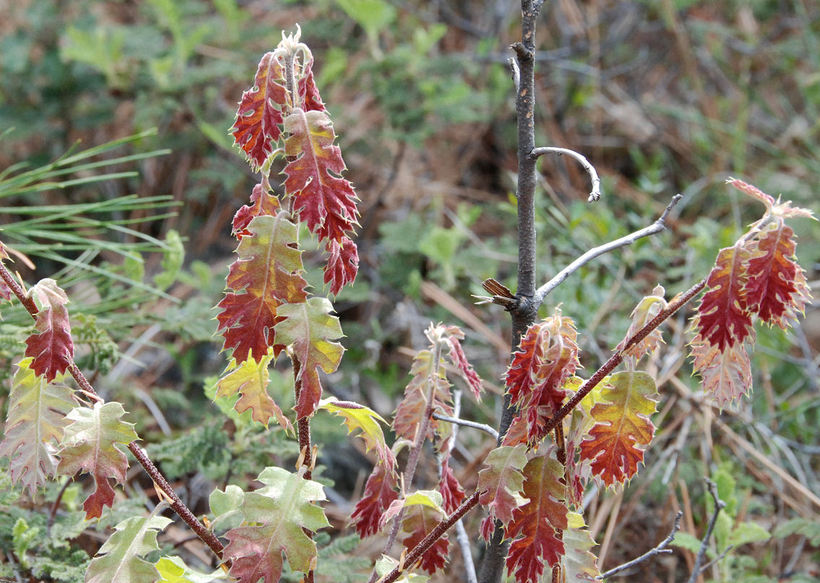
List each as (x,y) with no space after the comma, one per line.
(662,96)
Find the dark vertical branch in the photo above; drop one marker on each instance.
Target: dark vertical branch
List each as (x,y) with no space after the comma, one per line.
(524,313)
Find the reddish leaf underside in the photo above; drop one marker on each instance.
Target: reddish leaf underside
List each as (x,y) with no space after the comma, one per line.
(259,115)
(262,203)
(622,429)
(726,374)
(459,360)
(537,525)
(546,358)
(324,200)
(379,493)
(411,409)
(776,287)
(267,273)
(451,491)
(51,347)
(723,318)
(342,263)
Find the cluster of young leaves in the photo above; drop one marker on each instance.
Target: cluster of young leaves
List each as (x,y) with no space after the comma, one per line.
(756,278)
(428,392)
(266,308)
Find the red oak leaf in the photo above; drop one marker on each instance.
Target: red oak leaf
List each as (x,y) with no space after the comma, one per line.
(267,273)
(324,200)
(410,411)
(546,358)
(776,288)
(263,203)
(51,346)
(260,111)
(622,429)
(451,491)
(379,493)
(536,526)
(459,360)
(307,89)
(723,318)
(342,263)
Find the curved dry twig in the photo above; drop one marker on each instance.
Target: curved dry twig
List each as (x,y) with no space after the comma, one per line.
(595,193)
(719,505)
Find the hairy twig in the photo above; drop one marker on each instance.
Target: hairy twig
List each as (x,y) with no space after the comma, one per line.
(661,548)
(177,505)
(428,541)
(457,421)
(656,227)
(676,304)
(719,505)
(595,193)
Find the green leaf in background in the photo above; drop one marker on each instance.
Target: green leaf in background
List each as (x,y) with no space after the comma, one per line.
(372,15)
(172,259)
(802,526)
(748,532)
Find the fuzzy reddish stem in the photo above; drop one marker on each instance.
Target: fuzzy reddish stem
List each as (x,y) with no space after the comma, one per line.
(177,505)
(428,541)
(618,357)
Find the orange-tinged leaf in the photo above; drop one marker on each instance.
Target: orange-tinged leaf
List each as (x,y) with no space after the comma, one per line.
(367,422)
(726,374)
(267,273)
(723,318)
(51,346)
(310,329)
(547,356)
(262,203)
(250,380)
(752,191)
(379,493)
(311,100)
(459,360)
(423,511)
(275,520)
(260,111)
(536,526)
(622,429)
(36,419)
(501,482)
(776,287)
(92,444)
(323,199)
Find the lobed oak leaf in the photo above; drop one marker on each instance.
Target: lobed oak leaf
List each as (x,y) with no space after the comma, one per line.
(259,115)
(547,356)
(266,274)
(726,374)
(413,406)
(452,493)
(622,429)
(379,493)
(324,200)
(578,562)
(459,360)
(92,444)
(723,317)
(308,91)
(536,526)
(367,422)
(250,380)
(277,517)
(776,287)
(262,203)
(342,263)
(423,511)
(35,423)
(310,329)
(649,307)
(501,482)
(120,557)
(51,347)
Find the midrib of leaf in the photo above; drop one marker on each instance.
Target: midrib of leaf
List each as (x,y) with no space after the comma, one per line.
(135,541)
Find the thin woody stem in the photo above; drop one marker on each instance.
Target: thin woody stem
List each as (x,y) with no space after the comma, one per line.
(618,357)
(428,541)
(177,505)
